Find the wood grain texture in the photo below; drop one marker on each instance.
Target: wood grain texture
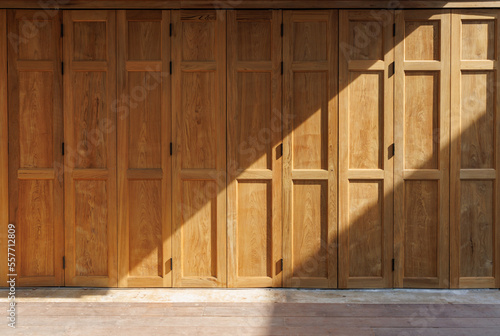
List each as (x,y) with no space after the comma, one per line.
(254,139)
(35,137)
(199,148)
(90,137)
(310,149)
(144,162)
(422,138)
(475,119)
(365,139)
(4,147)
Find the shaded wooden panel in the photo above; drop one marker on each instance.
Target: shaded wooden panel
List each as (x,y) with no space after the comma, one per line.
(476,228)
(366,120)
(145,231)
(475,155)
(4,147)
(366,163)
(36,137)
(366,230)
(36,229)
(199,148)
(255,231)
(255,40)
(36,172)
(421,120)
(310,125)
(310,230)
(477,119)
(422,40)
(421,228)
(144,161)
(145,149)
(91,228)
(90,148)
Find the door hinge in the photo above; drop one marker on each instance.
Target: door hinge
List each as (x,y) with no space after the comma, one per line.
(170,67)
(64,262)
(391,69)
(281,29)
(280,263)
(393,29)
(282,68)
(62,68)
(62,30)
(171,149)
(393,264)
(62,148)
(170,29)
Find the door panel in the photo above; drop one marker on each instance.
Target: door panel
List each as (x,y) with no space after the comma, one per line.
(199,148)
(35,138)
(310,149)
(144,164)
(4,149)
(422,103)
(90,148)
(366,138)
(475,122)
(254,164)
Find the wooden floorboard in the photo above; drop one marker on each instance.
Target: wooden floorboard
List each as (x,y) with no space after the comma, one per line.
(141,318)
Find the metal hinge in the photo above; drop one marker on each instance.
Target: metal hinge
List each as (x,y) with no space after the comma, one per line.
(62,148)
(281,265)
(393,264)
(282,68)
(393,29)
(62,68)
(282,29)
(62,30)
(391,69)
(64,262)
(170,29)
(171,149)
(170,67)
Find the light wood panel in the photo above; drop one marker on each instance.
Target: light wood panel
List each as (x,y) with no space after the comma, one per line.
(199,148)
(4,148)
(422,140)
(366,166)
(90,148)
(310,149)
(144,162)
(475,153)
(35,138)
(254,165)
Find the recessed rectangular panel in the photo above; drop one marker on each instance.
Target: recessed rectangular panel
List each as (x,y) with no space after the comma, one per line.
(254,119)
(366,119)
(310,120)
(145,231)
(144,40)
(254,41)
(310,41)
(198,41)
(310,229)
(199,229)
(91,228)
(366,220)
(477,120)
(35,40)
(145,120)
(476,228)
(422,41)
(478,40)
(89,41)
(199,132)
(36,142)
(366,41)
(421,120)
(421,221)
(254,229)
(90,116)
(36,228)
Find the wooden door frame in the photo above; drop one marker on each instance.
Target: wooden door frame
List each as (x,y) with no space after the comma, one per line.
(4,149)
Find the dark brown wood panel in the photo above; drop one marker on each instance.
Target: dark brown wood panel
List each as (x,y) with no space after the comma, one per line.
(35,139)
(4,148)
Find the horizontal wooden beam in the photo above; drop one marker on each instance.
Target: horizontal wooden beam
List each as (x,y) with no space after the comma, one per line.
(241,4)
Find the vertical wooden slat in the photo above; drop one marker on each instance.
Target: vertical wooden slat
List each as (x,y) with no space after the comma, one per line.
(199,149)
(90,158)
(474,216)
(144,126)
(254,140)
(365,160)
(310,148)
(4,147)
(422,138)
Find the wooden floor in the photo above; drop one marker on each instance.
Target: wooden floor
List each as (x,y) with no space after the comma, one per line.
(217,318)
